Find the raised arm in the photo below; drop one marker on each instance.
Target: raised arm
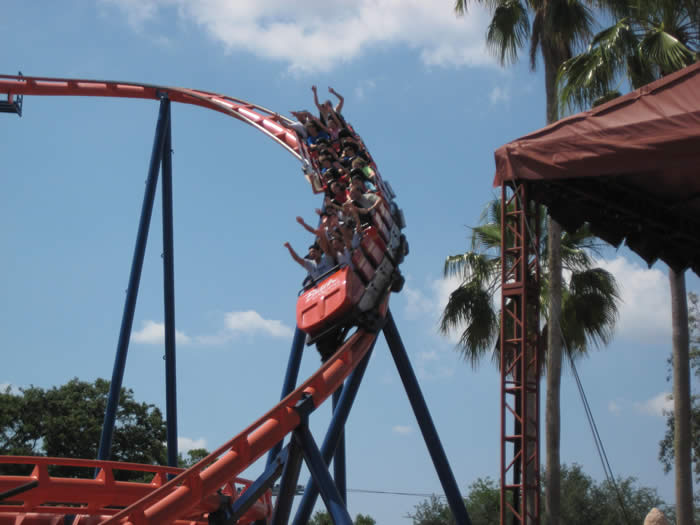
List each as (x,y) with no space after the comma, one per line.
(313,88)
(341,100)
(306,226)
(294,254)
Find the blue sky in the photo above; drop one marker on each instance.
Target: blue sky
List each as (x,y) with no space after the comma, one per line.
(432,106)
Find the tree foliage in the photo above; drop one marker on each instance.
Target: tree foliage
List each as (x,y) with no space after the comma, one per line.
(324,518)
(649,39)
(583,502)
(589,302)
(66,421)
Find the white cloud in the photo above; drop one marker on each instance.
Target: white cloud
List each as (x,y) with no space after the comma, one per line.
(153,333)
(251,322)
(659,405)
(364,86)
(498,95)
(645,312)
(614,407)
(428,356)
(402,429)
(234,323)
(184,444)
(318,35)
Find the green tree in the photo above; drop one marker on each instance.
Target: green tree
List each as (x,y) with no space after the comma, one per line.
(483,502)
(433,511)
(587,301)
(584,502)
(362,519)
(193,456)
(324,518)
(649,39)
(66,421)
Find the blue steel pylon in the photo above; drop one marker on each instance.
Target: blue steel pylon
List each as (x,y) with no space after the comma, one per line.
(302,443)
(160,156)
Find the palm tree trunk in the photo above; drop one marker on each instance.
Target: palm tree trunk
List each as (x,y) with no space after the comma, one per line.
(554,357)
(681,399)
(552,61)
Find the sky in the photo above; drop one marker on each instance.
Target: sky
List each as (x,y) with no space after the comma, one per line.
(431,104)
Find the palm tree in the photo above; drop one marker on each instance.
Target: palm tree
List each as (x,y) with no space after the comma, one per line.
(554,28)
(589,298)
(650,39)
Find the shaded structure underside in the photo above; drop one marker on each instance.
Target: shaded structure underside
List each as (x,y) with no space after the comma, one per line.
(630,168)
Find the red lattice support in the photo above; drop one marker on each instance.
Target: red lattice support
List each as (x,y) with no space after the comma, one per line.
(520,367)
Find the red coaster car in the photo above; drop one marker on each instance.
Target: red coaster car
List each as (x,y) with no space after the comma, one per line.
(328,301)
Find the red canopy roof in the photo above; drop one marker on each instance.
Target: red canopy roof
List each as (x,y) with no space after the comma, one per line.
(631,168)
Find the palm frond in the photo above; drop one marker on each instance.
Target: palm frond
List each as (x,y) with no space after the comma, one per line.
(486,237)
(665,50)
(472,266)
(568,23)
(589,309)
(536,38)
(508,31)
(470,306)
(591,75)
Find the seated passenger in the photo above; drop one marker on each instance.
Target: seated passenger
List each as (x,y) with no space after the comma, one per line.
(327,108)
(351,232)
(360,163)
(340,250)
(324,162)
(363,203)
(351,151)
(315,133)
(299,125)
(357,177)
(333,126)
(338,193)
(315,262)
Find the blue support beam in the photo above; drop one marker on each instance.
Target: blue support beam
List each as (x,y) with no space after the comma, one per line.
(318,468)
(169,299)
(339,469)
(330,442)
(134,280)
(229,514)
(288,484)
(425,422)
(290,379)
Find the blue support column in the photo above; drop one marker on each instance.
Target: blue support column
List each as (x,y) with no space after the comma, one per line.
(288,484)
(425,422)
(330,442)
(339,469)
(134,279)
(319,472)
(290,379)
(169,298)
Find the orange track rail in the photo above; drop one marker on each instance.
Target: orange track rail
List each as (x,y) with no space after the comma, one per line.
(94,500)
(257,116)
(193,492)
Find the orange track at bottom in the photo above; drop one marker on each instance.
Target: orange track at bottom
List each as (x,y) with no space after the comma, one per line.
(187,498)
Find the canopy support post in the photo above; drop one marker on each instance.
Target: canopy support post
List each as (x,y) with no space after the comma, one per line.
(520,349)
